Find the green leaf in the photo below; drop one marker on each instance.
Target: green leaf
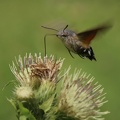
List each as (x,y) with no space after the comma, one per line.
(24,113)
(51,114)
(47,104)
(12,102)
(23,118)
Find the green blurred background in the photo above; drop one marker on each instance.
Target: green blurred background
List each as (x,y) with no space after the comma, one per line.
(20,33)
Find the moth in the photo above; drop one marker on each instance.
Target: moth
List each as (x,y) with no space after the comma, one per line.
(78,43)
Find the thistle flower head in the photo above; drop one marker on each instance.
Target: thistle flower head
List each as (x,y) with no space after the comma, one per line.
(34,73)
(32,70)
(81,97)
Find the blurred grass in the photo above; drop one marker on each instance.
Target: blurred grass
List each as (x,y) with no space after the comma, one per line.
(20,32)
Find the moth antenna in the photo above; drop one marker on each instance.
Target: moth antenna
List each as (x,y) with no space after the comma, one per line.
(65,27)
(49,28)
(45,41)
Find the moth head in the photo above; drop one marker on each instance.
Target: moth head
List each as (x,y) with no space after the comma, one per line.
(60,33)
(63,33)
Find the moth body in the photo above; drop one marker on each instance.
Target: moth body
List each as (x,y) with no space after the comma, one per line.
(73,43)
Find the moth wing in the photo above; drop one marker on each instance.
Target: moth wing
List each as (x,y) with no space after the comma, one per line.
(87,36)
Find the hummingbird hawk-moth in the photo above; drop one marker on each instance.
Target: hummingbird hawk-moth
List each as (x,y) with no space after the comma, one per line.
(78,43)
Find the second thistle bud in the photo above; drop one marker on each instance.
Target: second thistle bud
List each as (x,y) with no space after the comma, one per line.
(24,93)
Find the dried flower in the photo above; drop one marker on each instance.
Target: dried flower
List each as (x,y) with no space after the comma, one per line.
(32,70)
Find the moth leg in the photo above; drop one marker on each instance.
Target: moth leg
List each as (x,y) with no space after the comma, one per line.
(81,56)
(70,52)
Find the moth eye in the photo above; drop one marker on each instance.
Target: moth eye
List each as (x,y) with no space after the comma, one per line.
(64,35)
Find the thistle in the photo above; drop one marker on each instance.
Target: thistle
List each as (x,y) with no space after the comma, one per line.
(42,92)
